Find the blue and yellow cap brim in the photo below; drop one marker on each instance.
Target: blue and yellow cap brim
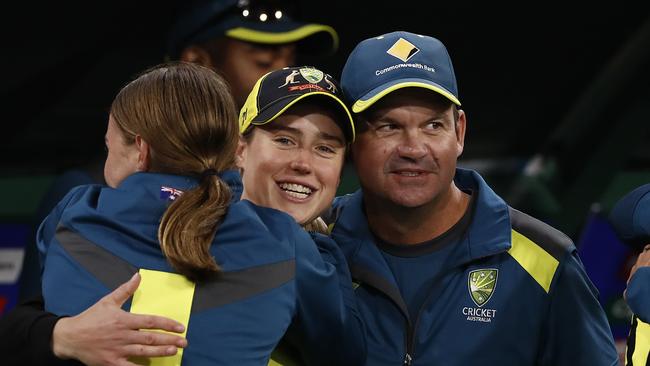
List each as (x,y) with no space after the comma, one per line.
(250,114)
(381,91)
(249,34)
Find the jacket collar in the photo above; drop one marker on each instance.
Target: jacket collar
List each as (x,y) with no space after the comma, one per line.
(152,182)
(488,233)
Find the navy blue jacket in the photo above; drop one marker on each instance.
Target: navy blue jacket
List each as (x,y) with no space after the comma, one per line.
(630,218)
(542,310)
(273,274)
(637,294)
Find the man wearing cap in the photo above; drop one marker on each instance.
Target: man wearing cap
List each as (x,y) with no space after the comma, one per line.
(446,272)
(244,40)
(630,218)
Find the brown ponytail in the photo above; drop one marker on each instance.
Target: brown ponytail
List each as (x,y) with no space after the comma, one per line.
(187,115)
(188,226)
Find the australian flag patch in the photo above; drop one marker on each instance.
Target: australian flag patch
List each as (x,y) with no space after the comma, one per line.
(168,193)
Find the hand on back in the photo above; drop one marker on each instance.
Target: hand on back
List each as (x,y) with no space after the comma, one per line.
(105,334)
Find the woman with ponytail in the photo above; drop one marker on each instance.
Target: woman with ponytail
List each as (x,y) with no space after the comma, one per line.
(178,120)
(234,276)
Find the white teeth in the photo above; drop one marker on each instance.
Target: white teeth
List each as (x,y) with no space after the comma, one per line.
(299,189)
(297,195)
(410,174)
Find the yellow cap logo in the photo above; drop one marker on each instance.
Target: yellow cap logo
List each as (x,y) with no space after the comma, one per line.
(403,50)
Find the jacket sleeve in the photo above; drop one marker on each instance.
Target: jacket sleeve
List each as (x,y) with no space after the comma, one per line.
(577,331)
(47,229)
(637,294)
(26,331)
(638,344)
(327,329)
(26,334)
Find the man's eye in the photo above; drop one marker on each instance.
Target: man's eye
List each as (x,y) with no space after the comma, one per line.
(387,127)
(434,125)
(326,149)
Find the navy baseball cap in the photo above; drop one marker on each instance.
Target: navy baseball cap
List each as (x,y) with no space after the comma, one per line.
(630,217)
(278,90)
(380,65)
(258,21)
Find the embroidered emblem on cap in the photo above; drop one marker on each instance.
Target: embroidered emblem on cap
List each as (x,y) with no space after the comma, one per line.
(290,79)
(330,85)
(312,75)
(403,50)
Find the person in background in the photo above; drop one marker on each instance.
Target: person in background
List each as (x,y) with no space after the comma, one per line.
(243,40)
(630,218)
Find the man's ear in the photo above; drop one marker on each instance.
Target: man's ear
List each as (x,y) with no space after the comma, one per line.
(144,154)
(461,125)
(198,55)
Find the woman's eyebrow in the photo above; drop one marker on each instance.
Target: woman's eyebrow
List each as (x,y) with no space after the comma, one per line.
(330,137)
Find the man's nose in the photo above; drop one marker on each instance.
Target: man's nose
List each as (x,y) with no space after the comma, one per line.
(412,146)
(277,57)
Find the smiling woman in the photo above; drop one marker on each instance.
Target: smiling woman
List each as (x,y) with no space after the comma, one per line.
(294,164)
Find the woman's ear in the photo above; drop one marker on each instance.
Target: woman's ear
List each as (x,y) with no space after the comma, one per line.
(240,153)
(144,154)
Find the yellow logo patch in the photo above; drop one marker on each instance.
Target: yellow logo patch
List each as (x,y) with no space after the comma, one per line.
(403,50)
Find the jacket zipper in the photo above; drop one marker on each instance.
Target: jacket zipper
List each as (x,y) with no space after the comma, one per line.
(407,359)
(410,335)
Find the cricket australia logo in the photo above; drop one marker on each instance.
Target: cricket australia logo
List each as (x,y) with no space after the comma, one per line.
(312,75)
(481,284)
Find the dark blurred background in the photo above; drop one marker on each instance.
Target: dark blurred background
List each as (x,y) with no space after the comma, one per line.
(557,97)
(534,79)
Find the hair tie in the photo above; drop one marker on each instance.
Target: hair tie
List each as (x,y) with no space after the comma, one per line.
(208,172)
